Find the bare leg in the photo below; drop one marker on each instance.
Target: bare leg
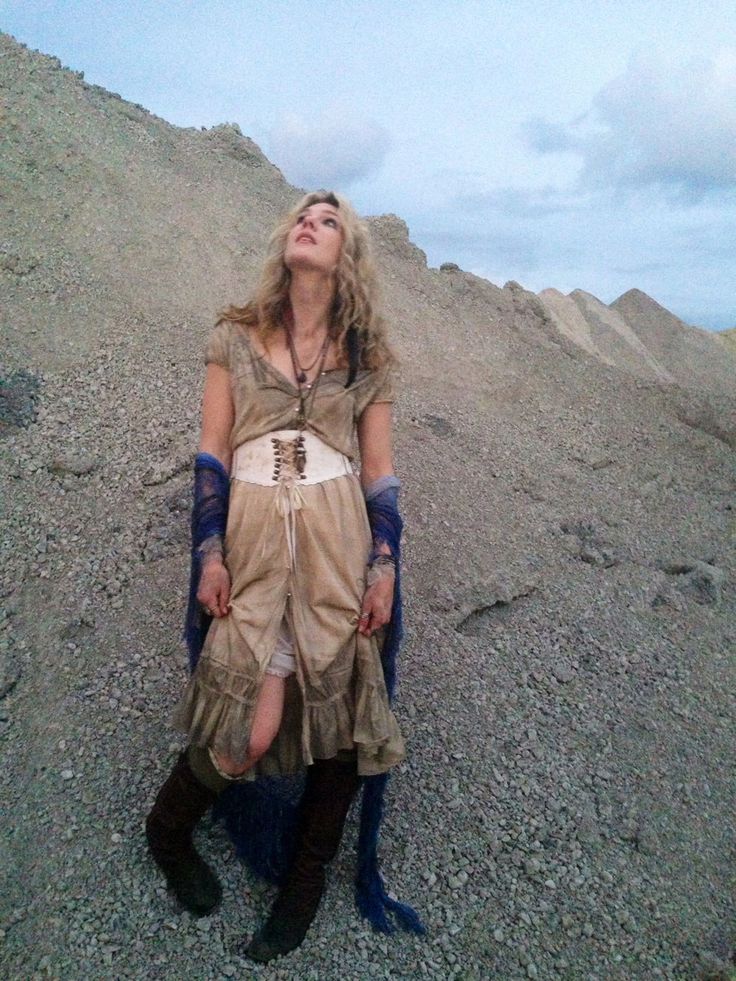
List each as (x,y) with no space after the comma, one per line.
(266,722)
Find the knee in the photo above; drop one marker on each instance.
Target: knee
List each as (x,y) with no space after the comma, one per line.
(257,747)
(227,767)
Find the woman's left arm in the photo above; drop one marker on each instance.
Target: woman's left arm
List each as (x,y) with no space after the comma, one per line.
(374,441)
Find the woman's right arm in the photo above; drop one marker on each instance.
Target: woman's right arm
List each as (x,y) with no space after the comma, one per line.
(218,416)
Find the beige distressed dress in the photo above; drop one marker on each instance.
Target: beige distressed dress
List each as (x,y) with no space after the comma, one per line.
(337,700)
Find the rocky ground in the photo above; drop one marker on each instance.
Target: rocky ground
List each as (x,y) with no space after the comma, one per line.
(567,681)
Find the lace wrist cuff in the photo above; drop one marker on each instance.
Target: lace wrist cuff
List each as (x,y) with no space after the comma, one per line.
(382,567)
(378,486)
(211,548)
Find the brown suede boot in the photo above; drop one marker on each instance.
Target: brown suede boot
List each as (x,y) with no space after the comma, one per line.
(180,803)
(330,788)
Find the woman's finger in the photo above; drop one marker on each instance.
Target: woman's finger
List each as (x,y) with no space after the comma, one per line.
(376,613)
(214,593)
(364,621)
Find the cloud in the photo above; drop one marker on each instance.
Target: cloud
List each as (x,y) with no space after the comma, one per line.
(658,124)
(639,269)
(518,247)
(328,152)
(519,202)
(546,137)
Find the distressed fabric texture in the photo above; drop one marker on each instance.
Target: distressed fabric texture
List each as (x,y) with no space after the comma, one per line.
(337,703)
(334,413)
(344,703)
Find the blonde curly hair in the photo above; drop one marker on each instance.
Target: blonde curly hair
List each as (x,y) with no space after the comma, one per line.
(356,287)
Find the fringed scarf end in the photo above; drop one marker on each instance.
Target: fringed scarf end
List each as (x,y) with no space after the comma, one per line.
(374,902)
(371,897)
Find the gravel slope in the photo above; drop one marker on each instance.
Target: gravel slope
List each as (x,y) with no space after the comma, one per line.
(567,682)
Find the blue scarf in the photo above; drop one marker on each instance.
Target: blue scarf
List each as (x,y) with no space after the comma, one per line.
(209,517)
(261,815)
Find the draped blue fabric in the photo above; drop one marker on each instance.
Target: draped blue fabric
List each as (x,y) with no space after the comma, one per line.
(371,896)
(261,815)
(209,517)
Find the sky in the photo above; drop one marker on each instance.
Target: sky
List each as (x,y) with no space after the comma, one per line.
(586,144)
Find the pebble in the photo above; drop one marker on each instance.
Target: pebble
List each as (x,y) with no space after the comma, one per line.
(563,673)
(79,466)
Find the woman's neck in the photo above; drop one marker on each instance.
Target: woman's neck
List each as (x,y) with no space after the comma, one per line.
(311,299)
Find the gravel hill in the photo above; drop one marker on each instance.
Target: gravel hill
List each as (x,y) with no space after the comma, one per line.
(693,356)
(728,337)
(567,682)
(602,332)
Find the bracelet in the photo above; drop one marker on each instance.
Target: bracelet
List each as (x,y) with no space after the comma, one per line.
(380,567)
(383,558)
(379,571)
(381,484)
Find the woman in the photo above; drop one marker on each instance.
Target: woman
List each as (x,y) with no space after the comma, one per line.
(298,582)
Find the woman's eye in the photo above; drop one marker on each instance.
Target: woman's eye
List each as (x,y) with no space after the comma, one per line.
(331,222)
(300,219)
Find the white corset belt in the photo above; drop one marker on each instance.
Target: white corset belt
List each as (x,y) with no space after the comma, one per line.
(288,459)
(288,454)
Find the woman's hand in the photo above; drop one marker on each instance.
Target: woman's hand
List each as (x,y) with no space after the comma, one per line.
(378,600)
(214,587)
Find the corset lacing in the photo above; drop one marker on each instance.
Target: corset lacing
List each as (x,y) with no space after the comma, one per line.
(290,457)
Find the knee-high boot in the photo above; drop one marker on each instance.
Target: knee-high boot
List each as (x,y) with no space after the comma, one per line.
(180,804)
(330,788)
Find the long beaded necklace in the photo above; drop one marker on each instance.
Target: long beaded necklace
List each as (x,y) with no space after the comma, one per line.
(307,391)
(300,371)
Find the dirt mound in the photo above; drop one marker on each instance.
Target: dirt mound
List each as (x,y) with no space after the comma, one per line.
(569,319)
(615,339)
(112,216)
(590,324)
(694,357)
(728,337)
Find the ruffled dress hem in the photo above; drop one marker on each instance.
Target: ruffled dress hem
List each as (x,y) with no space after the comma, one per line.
(219,704)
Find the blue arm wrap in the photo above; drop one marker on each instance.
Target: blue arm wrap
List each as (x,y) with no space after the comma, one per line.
(209,517)
(371,895)
(382,505)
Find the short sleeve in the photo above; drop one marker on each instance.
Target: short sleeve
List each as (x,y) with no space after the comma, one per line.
(370,387)
(384,386)
(217,350)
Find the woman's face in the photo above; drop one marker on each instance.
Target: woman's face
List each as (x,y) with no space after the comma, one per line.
(315,241)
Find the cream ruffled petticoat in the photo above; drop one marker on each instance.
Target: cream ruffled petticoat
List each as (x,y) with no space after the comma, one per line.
(296,547)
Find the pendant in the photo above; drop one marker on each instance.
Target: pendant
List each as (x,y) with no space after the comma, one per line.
(301,377)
